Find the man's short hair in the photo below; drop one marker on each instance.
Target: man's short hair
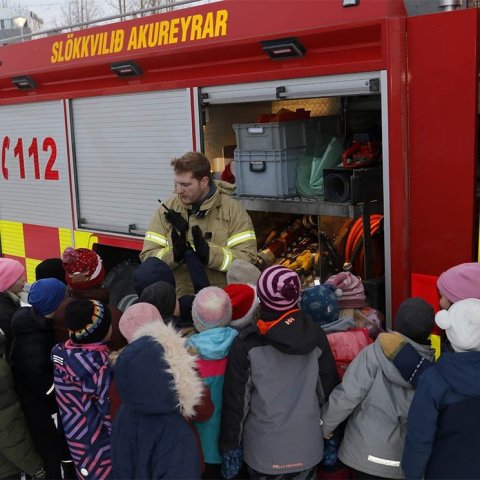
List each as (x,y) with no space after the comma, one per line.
(193,162)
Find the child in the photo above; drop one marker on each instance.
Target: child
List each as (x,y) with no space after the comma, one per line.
(457,283)
(376,399)
(84,273)
(33,339)
(244,304)
(82,378)
(50,268)
(162,296)
(444,419)
(154,270)
(320,303)
(241,271)
(159,388)
(12,281)
(17,453)
(351,300)
(212,312)
(279,372)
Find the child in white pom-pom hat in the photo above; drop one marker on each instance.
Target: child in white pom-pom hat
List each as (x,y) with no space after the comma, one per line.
(444,418)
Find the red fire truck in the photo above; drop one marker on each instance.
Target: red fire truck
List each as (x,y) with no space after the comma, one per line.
(90,119)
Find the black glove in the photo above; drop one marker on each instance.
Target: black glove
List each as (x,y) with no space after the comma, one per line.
(180,246)
(178,222)
(201,246)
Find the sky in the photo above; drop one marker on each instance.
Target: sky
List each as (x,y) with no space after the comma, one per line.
(47,10)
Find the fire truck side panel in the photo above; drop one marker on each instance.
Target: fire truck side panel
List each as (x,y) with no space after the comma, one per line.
(35,211)
(122,147)
(34,174)
(396,188)
(443,92)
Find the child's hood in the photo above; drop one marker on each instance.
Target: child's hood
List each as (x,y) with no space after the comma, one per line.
(292,333)
(390,370)
(213,344)
(461,371)
(26,320)
(155,374)
(79,362)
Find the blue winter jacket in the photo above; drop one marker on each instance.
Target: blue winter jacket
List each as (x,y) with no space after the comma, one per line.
(443,440)
(150,438)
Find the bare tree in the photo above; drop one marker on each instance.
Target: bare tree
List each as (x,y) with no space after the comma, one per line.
(141,4)
(79,11)
(120,6)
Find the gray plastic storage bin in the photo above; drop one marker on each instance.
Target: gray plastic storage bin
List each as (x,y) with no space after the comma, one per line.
(274,136)
(267,174)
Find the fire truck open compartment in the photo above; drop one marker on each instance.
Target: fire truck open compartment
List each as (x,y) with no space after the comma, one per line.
(342,116)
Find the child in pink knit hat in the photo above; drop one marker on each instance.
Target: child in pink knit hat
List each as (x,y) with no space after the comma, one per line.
(455,284)
(458,283)
(160,390)
(137,316)
(12,281)
(349,290)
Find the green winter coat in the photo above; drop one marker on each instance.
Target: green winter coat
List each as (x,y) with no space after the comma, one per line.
(226,226)
(16,448)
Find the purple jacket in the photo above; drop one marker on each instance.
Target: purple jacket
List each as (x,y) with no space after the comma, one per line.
(82,376)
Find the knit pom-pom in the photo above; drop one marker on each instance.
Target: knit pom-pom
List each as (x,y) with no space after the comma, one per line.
(68,254)
(443,320)
(289,291)
(338,292)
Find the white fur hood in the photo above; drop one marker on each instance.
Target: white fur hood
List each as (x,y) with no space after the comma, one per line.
(156,374)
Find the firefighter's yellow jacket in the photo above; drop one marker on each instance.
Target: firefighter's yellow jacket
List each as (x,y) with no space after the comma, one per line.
(225,225)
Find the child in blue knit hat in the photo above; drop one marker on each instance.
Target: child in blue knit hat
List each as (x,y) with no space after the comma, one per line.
(320,302)
(33,339)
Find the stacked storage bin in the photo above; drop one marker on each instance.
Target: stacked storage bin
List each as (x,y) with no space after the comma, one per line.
(267,156)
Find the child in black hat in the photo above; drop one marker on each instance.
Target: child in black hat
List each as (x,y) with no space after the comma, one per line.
(82,376)
(376,399)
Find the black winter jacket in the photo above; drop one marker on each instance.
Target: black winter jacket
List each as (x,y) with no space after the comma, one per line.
(8,307)
(32,369)
(33,340)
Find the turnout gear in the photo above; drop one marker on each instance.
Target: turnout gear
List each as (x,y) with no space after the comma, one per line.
(227,230)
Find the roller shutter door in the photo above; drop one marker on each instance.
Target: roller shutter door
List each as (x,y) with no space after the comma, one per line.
(34,185)
(123,147)
(326,86)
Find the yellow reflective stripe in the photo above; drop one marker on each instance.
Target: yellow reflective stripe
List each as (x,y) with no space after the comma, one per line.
(240,238)
(156,238)
(227,260)
(161,253)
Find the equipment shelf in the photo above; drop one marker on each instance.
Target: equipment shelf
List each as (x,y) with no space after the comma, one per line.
(304,205)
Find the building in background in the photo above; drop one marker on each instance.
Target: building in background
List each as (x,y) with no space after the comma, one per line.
(13,23)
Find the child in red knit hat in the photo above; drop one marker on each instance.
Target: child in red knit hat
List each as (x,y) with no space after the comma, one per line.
(84,273)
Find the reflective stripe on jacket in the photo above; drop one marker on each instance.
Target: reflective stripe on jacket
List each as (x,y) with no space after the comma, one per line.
(226,226)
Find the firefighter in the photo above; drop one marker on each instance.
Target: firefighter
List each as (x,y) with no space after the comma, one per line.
(201,216)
